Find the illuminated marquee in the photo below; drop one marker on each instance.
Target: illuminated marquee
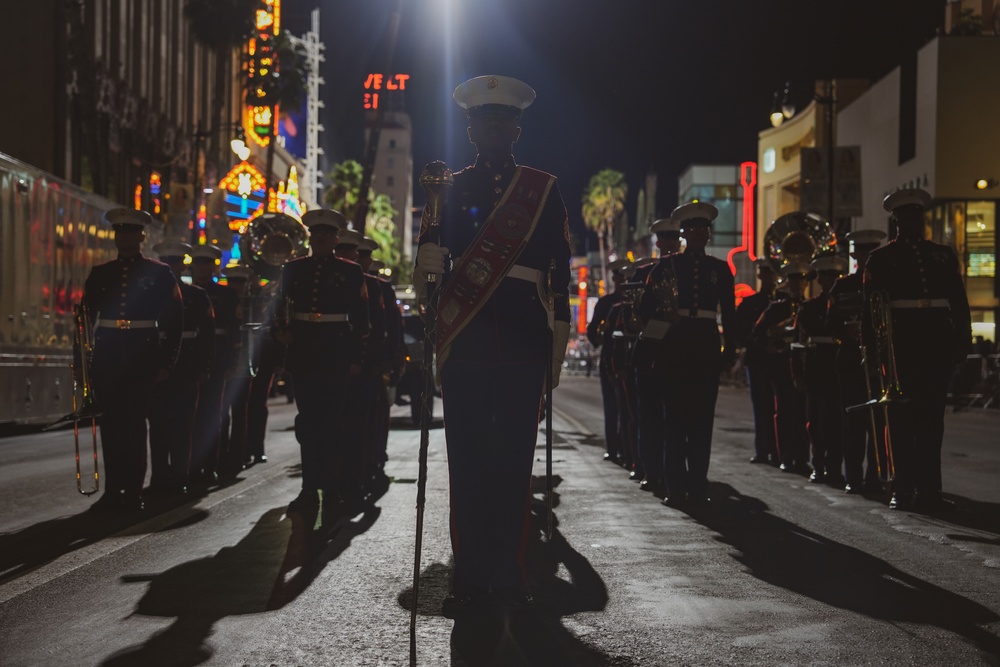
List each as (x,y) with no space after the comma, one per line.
(376,82)
(245,197)
(261,66)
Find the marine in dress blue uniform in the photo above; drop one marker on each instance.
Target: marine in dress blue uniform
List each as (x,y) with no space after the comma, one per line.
(931,332)
(175,400)
(860,428)
(131,301)
(650,405)
(325,302)
(773,332)
(755,363)
(817,352)
(205,457)
(596,329)
(493,376)
(387,365)
(233,452)
(359,453)
(692,355)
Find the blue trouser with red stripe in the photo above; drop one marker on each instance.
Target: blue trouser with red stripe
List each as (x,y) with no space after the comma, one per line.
(491,425)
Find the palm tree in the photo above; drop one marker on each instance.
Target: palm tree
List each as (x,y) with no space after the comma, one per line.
(603,208)
(344,195)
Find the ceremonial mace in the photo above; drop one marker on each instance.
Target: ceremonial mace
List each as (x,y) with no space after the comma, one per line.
(436,179)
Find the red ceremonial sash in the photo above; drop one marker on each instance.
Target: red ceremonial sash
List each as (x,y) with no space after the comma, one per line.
(490,255)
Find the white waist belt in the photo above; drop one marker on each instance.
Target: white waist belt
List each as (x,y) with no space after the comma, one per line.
(823,339)
(524,273)
(221,332)
(184,334)
(320,317)
(919,303)
(127,324)
(698,314)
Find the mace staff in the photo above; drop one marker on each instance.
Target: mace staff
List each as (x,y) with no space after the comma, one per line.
(436,179)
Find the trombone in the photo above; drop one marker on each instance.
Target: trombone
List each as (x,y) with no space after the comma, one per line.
(889,388)
(83,346)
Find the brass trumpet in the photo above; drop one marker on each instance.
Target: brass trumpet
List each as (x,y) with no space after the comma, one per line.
(83,346)
(889,388)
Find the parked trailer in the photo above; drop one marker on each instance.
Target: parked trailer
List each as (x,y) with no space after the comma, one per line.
(51,234)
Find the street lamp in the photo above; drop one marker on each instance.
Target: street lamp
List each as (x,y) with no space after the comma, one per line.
(783,111)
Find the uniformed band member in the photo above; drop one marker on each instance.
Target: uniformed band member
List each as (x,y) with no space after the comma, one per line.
(692,356)
(816,362)
(327,328)
(650,397)
(175,400)
(862,429)
(773,332)
(755,363)
(931,332)
(625,336)
(208,420)
(269,354)
(597,332)
(357,454)
(233,452)
(131,301)
(387,365)
(508,225)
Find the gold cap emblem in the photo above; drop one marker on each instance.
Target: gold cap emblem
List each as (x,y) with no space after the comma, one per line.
(492,83)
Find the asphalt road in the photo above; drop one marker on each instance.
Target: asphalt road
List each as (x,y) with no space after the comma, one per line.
(776,571)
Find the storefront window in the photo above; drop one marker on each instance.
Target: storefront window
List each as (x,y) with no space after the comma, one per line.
(980,237)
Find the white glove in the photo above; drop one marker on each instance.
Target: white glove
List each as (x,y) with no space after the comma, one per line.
(430,261)
(560,340)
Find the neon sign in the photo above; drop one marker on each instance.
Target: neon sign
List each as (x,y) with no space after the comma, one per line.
(261,67)
(244,186)
(377,82)
(748,179)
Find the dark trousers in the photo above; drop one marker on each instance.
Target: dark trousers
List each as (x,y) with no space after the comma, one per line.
(652,414)
(123,399)
(491,426)
(171,423)
(863,429)
(257,411)
(762,401)
(612,442)
(361,430)
(789,413)
(626,397)
(825,426)
(917,425)
(208,425)
(233,432)
(690,393)
(320,429)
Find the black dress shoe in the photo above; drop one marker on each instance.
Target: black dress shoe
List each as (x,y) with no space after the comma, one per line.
(816,477)
(133,502)
(759,459)
(651,485)
(672,501)
(260,458)
(698,499)
(635,476)
(901,501)
(611,457)
(464,603)
(833,479)
(786,467)
(853,488)
(109,502)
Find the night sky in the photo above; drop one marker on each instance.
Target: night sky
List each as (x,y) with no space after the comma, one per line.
(634,85)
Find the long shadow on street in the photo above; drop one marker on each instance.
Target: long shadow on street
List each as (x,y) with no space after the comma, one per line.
(536,636)
(786,555)
(267,569)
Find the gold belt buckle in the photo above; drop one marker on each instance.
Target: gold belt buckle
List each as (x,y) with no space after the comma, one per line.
(923,303)
(315,317)
(124,324)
